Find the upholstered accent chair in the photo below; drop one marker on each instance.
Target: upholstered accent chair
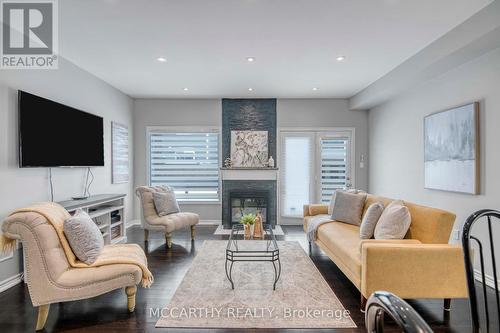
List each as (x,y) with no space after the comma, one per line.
(151,221)
(48,274)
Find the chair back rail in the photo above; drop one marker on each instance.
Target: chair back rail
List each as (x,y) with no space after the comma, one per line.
(481,215)
(383,302)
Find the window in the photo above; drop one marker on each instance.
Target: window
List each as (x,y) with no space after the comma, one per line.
(186,161)
(297,155)
(313,165)
(334,165)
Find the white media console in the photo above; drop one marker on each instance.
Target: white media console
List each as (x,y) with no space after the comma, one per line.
(107,211)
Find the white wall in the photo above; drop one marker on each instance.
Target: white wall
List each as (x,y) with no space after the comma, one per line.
(396,137)
(77,88)
(208,112)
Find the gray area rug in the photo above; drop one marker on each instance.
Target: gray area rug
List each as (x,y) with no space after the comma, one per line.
(302,298)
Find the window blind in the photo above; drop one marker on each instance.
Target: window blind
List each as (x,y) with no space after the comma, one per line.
(188,162)
(296,164)
(334,164)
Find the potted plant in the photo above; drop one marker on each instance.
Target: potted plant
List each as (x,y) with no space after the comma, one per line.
(248,220)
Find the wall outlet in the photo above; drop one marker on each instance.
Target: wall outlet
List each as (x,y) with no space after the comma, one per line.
(456,234)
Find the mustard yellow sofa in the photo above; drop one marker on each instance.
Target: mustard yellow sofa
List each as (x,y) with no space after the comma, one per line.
(423,265)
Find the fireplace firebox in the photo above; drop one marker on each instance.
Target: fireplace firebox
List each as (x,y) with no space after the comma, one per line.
(245,202)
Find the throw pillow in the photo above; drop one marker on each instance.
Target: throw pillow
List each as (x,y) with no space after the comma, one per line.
(332,200)
(370,220)
(394,221)
(165,203)
(84,237)
(348,207)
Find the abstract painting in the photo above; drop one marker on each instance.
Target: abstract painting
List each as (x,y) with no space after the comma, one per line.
(451,149)
(249,149)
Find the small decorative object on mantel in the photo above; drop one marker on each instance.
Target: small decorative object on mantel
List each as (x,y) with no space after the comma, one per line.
(257,232)
(248,220)
(270,163)
(228,163)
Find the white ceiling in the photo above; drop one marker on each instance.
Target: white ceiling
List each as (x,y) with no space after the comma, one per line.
(206,42)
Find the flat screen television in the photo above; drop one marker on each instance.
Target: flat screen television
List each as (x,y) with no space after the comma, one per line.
(55,135)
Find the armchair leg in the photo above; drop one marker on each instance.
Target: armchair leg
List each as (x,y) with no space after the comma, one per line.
(363,303)
(146,235)
(168,238)
(43,313)
(447,304)
(193,232)
(131,291)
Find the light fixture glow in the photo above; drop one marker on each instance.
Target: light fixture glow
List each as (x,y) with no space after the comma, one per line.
(250,89)
(161,59)
(315,89)
(340,58)
(186,89)
(250,59)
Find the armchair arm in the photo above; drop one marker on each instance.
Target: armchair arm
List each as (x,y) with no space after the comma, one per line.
(413,270)
(315,209)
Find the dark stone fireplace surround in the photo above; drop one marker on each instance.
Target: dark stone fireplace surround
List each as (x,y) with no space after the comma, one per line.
(249,188)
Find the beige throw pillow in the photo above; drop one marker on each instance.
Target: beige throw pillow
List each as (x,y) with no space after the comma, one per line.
(348,207)
(84,237)
(370,220)
(165,203)
(332,200)
(394,221)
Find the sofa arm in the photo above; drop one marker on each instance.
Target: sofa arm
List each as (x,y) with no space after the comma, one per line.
(413,270)
(315,209)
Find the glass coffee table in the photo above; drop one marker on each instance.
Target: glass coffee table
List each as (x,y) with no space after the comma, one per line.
(264,249)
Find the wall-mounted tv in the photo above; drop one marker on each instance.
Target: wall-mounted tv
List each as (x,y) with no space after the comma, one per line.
(55,135)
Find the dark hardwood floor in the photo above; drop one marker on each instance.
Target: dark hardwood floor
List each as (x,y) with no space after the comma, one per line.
(108,313)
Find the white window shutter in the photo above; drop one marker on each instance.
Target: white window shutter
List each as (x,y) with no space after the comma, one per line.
(188,162)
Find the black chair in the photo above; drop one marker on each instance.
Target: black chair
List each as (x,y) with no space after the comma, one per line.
(486,215)
(383,302)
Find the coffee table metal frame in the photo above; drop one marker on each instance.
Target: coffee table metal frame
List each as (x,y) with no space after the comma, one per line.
(270,254)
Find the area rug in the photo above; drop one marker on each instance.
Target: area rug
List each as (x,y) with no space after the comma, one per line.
(278,231)
(302,298)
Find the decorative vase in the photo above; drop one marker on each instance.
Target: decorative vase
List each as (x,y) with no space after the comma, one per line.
(270,163)
(252,228)
(247,231)
(257,233)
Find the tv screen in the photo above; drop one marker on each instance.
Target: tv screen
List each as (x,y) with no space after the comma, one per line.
(55,135)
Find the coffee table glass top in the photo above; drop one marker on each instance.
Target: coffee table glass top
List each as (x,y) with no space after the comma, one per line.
(263,249)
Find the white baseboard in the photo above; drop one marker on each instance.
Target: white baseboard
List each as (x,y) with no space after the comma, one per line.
(132,223)
(11,282)
(490,281)
(210,222)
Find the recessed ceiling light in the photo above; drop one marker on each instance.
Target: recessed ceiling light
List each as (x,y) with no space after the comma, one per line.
(161,59)
(315,89)
(340,58)
(250,59)
(186,89)
(250,89)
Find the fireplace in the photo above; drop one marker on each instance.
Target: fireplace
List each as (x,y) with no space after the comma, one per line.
(248,196)
(248,202)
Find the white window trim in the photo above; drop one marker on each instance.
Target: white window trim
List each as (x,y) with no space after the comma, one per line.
(185,129)
(351,130)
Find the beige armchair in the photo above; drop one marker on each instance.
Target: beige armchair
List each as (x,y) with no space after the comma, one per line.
(50,277)
(169,223)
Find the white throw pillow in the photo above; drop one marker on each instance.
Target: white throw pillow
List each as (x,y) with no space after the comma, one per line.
(84,237)
(394,221)
(370,220)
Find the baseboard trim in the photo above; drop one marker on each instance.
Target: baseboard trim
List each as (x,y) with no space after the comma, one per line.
(490,281)
(132,223)
(11,282)
(210,222)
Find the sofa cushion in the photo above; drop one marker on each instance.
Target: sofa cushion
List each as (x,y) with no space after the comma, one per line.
(343,240)
(370,220)
(394,222)
(332,200)
(348,207)
(84,237)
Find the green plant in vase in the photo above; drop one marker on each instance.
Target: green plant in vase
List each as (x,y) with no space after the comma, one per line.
(248,220)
